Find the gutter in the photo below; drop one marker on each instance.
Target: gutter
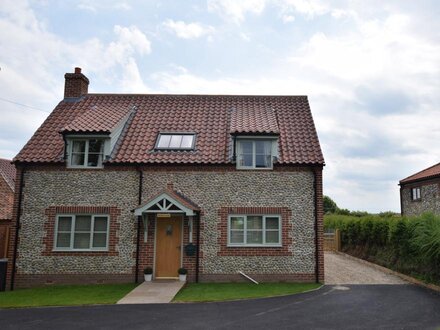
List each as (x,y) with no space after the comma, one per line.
(198,246)
(17,228)
(139,220)
(316,229)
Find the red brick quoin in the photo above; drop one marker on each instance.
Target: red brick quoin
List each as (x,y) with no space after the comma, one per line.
(49,228)
(286,228)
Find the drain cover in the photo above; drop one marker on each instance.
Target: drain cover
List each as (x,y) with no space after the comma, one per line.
(340,287)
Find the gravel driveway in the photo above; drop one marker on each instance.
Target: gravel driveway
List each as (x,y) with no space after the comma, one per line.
(340,269)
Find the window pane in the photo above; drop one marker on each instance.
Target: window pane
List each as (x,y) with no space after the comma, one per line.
(254,237)
(254,222)
(81,241)
(262,161)
(94,160)
(77,159)
(64,223)
(272,237)
(263,147)
(245,160)
(175,141)
(187,141)
(237,223)
(63,240)
(95,146)
(237,236)
(272,223)
(246,147)
(100,224)
(79,146)
(164,141)
(83,223)
(99,240)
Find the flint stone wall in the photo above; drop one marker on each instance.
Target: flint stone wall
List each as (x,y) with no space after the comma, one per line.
(210,190)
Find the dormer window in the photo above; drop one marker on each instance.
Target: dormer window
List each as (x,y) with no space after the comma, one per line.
(86,153)
(175,141)
(255,153)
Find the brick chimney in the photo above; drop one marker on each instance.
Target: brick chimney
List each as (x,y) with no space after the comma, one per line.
(76,84)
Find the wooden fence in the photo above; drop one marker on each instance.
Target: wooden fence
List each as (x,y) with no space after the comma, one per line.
(332,241)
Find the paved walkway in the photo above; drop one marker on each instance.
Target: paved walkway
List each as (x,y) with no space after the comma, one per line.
(340,269)
(156,292)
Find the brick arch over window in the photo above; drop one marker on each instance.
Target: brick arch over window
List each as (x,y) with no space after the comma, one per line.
(49,228)
(286,232)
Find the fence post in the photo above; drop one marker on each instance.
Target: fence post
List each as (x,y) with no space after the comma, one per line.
(338,240)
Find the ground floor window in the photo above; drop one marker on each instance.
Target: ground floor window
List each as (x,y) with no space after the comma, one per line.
(81,233)
(254,230)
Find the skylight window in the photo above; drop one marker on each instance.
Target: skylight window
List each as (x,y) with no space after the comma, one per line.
(175,141)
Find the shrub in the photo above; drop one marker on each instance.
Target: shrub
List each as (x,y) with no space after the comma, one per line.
(148,270)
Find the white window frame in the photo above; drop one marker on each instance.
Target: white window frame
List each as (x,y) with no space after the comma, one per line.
(86,152)
(194,135)
(254,153)
(417,193)
(264,230)
(72,233)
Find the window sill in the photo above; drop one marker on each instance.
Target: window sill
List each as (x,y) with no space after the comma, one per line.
(85,167)
(76,251)
(255,245)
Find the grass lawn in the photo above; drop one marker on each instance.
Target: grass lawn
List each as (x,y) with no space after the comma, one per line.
(231,291)
(65,295)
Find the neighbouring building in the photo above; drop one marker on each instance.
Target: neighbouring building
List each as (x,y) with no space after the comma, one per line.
(217,184)
(7,186)
(420,192)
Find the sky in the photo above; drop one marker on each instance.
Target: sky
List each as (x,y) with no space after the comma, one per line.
(371,70)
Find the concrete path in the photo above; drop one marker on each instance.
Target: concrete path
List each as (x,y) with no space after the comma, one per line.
(156,292)
(343,270)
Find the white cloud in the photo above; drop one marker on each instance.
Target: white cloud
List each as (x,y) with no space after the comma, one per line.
(236,10)
(309,8)
(188,30)
(33,57)
(96,5)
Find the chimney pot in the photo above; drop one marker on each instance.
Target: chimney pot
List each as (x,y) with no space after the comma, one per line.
(76,84)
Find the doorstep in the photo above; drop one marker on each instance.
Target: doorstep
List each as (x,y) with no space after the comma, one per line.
(155,292)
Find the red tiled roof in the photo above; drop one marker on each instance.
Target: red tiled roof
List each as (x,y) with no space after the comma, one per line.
(428,173)
(254,119)
(210,116)
(7,171)
(102,117)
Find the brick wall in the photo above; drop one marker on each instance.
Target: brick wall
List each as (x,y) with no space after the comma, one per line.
(6,200)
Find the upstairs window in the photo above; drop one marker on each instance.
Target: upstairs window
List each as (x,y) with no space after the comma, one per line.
(254,154)
(175,141)
(416,194)
(87,153)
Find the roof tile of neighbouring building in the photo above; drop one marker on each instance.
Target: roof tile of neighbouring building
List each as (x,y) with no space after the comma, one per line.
(211,117)
(428,173)
(7,171)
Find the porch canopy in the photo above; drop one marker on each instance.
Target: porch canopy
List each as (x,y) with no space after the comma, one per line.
(169,201)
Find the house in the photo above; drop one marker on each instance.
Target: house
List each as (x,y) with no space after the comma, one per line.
(420,192)
(217,184)
(7,186)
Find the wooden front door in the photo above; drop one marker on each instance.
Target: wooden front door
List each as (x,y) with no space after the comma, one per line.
(168,246)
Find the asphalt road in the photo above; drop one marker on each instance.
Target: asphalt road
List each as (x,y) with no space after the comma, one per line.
(331,307)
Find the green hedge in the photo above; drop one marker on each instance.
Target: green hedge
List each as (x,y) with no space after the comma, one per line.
(408,245)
